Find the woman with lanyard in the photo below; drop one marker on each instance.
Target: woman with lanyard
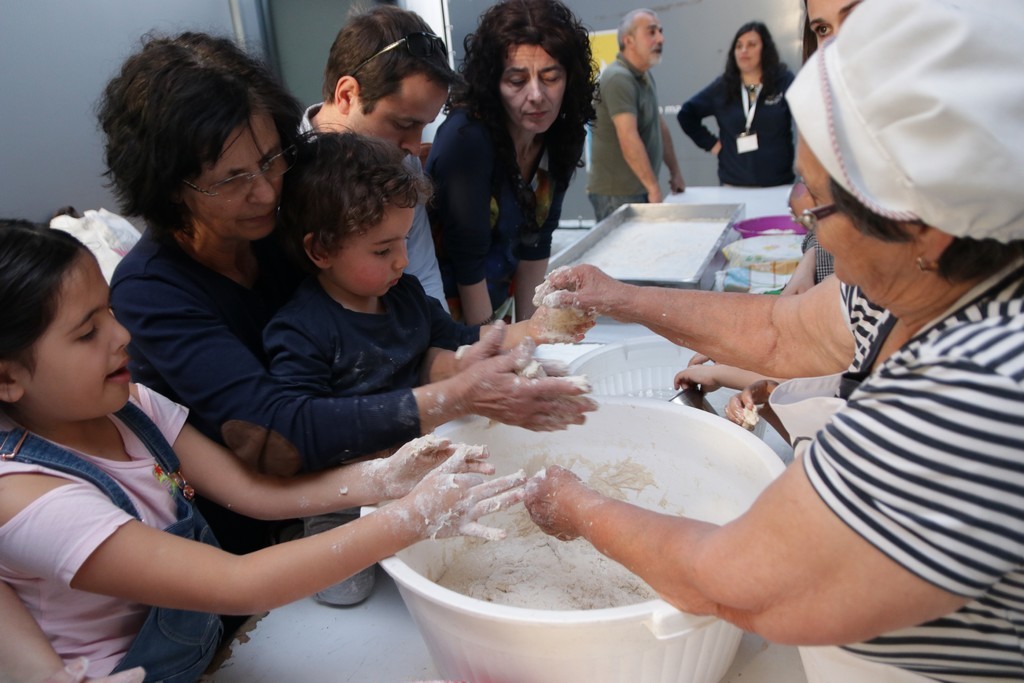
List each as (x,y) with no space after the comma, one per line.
(755,142)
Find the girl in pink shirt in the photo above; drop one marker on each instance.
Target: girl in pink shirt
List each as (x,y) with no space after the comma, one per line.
(98,535)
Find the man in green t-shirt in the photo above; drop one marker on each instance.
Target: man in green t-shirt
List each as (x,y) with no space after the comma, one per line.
(630,136)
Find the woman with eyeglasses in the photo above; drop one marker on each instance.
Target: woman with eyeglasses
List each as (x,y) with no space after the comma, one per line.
(754,145)
(892,547)
(199,139)
(503,159)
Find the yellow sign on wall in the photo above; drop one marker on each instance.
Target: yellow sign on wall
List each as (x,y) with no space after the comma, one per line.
(604,45)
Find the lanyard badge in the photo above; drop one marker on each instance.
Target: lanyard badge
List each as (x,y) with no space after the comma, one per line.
(747,140)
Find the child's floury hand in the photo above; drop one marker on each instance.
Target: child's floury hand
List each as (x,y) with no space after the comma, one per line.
(453,497)
(743,407)
(408,465)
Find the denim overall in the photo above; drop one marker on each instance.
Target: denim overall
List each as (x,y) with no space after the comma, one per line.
(174,646)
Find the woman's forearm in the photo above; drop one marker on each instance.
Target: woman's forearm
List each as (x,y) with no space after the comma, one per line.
(476,303)
(799,336)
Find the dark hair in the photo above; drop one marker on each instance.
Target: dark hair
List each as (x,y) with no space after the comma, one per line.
(33,262)
(369,32)
(772,69)
(170,110)
(809,41)
(552,26)
(964,259)
(341,185)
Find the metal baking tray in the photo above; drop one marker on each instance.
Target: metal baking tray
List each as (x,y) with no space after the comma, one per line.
(670,245)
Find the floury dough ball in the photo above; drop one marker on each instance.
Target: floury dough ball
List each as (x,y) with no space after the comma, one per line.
(750,418)
(562,324)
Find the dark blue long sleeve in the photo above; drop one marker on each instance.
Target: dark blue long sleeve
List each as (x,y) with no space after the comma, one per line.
(197,338)
(478,226)
(693,112)
(318,348)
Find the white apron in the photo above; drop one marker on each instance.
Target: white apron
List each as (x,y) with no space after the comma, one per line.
(805,406)
(835,665)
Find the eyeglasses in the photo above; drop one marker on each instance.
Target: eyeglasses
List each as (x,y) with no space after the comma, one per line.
(418,44)
(238,185)
(809,218)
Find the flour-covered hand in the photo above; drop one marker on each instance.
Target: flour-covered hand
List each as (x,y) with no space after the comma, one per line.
(585,288)
(451,499)
(552,324)
(549,496)
(743,408)
(410,463)
(508,388)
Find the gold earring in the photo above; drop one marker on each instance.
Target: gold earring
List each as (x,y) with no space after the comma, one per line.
(925,266)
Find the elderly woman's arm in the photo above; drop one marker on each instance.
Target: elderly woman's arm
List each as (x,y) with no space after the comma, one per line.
(795,336)
(789,569)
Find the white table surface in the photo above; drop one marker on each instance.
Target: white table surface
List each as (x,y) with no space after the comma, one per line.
(377,641)
(759,201)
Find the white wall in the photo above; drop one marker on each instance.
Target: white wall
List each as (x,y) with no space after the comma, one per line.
(56,57)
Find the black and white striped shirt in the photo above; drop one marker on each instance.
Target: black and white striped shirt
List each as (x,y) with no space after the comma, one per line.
(926,462)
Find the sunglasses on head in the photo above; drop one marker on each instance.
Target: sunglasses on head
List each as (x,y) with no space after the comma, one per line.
(419,44)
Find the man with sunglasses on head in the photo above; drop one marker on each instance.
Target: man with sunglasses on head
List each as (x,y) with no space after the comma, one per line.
(387,76)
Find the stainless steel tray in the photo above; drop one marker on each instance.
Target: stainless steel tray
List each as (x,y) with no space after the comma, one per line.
(683,243)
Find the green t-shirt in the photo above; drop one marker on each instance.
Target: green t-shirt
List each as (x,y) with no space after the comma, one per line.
(623,89)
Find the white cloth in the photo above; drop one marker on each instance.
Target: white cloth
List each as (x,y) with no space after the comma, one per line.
(835,665)
(107,235)
(917,109)
(805,406)
(43,546)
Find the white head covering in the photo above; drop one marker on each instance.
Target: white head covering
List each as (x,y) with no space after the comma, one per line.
(917,109)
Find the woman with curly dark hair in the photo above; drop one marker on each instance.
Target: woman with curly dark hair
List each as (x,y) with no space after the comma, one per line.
(503,159)
(755,143)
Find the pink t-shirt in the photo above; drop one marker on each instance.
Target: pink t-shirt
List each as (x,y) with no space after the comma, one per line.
(44,545)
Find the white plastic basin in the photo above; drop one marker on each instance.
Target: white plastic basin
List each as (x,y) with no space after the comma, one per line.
(643,367)
(702,466)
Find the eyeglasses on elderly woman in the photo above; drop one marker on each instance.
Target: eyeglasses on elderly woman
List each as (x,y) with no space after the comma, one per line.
(419,44)
(809,218)
(238,185)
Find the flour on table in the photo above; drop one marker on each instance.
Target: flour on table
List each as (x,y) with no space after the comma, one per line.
(644,250)
(533,570)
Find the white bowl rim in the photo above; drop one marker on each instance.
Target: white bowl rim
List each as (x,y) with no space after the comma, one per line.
(405,576)
(631,344)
